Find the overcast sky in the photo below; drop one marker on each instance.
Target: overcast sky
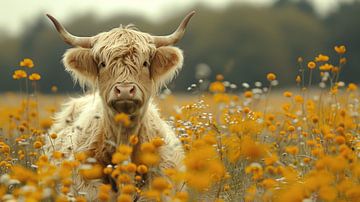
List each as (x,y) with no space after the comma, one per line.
(14,13)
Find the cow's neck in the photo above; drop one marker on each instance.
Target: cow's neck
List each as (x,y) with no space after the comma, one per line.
(118,133)
(112,134)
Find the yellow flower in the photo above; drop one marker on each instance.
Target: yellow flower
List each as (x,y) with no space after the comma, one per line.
(124,178)
(298,79)
(268,183)
(251,149)
(80,199)
(343,61)
(53,135)
(149,158)
(27,62)
(80,156)
(34,77)
(322,58)
(125,150)
(118,158)
(147,147)
(108,170)
(65,190)
(339,139)
(306,160)
(326,67)
(327,193)
(352,87)
(271,76)
(131,167)
(334,90)
(270,160)
(134,139)
(104,192)
(54,89)
(19,74)
(128,189)
(142,169)
(138,178)
(219,77)
(46,123)
(182,196)
(335,69)
(157,142)
(37,144)
(160,184)
(311,65)
(292,150)
(94,172)
(299,99)
(123,119)
(248,94)
(256,170)
(291,128)
(124,198)
(217,87)
(57,155)
(287,94)
(340,49)
(152,195)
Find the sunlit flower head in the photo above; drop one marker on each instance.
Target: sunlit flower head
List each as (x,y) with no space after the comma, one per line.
(19,74)
(340,49)
(34,77)
(27,62)
(311,65)
(271,76)
(322,58)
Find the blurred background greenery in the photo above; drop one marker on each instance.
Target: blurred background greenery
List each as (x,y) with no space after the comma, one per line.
(241,41)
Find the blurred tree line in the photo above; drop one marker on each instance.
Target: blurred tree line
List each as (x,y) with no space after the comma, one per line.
(241,42)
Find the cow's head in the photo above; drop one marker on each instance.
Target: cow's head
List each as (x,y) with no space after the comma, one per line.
(126,66)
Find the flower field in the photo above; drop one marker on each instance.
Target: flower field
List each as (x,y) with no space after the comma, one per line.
(243,142)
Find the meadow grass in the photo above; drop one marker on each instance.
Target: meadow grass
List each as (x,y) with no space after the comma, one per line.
(242,142)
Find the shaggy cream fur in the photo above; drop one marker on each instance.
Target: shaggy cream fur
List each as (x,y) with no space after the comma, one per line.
(80,123)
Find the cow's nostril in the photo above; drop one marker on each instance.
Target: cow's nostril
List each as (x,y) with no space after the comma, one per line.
(117,90)
(132,90)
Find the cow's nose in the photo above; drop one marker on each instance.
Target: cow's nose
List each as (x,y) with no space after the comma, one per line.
(124,91)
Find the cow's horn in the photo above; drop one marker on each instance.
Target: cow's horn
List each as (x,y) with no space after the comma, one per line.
(70,39)
(176,36)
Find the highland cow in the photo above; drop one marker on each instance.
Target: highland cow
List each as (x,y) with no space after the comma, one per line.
(125,69)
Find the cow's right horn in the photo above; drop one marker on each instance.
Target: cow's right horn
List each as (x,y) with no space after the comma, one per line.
(68,38)
(175,36)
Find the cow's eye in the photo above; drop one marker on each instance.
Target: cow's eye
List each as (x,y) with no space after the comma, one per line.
(146,64)
(102,64)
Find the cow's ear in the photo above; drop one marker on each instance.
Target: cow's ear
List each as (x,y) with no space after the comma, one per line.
(80,63)
(166,63)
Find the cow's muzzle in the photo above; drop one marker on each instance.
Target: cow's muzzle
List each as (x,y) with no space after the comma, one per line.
(126,106)
(125,98)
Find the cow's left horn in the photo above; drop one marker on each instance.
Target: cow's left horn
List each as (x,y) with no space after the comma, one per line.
(176,36)
(68,38)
